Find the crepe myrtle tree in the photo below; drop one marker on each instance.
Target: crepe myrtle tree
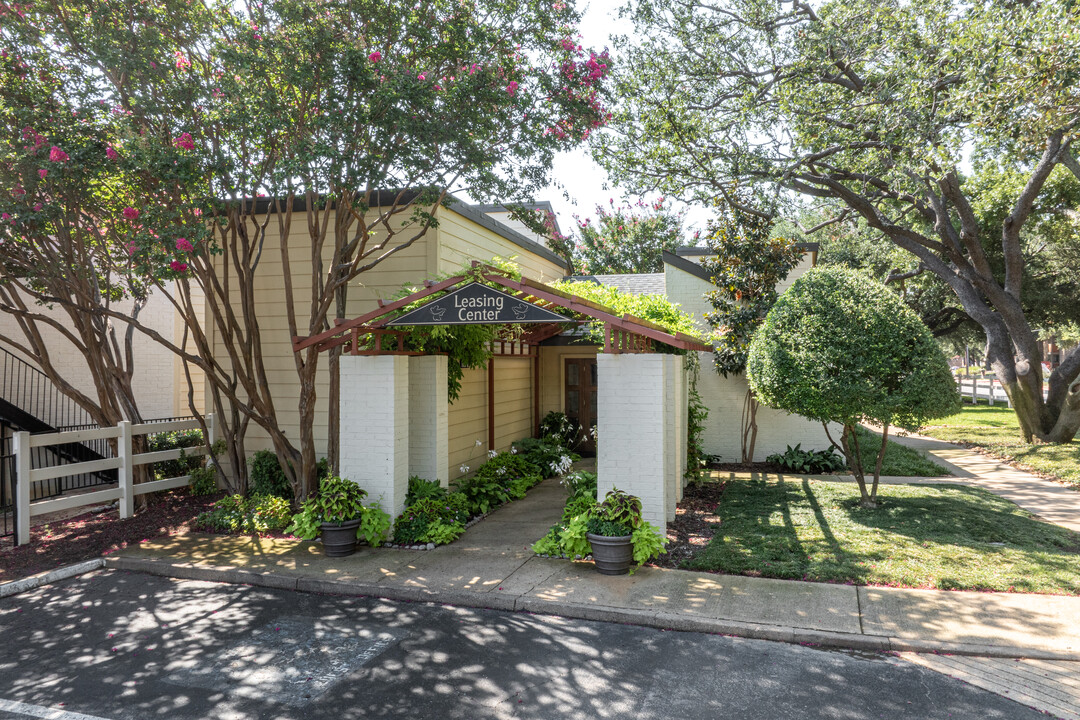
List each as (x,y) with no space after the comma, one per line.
(840,347)
(746,262)
(294,145)
(625,238)
(878,106)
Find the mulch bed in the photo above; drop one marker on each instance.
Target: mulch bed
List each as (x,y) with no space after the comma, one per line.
(695,524)
(94,534)
(759,467)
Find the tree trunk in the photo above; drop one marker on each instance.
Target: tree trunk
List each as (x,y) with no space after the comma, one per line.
(749,426)
(853,455)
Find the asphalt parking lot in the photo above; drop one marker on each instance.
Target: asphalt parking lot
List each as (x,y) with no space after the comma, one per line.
(115,645)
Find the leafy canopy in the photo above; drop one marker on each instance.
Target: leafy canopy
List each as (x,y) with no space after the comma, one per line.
(625,238)
(746,264)
(840,347)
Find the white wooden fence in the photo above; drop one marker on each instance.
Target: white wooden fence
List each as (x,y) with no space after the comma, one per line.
(124,463)
(985,389)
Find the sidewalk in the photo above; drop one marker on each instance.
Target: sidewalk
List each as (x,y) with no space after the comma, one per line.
(491,566)
(1051,501)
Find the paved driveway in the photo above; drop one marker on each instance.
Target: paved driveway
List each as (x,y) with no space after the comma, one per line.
(118,645)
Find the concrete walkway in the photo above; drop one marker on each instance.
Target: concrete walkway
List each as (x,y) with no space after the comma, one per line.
(492,566)
(1052,501)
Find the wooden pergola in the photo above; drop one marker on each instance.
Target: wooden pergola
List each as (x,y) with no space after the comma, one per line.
(622,334)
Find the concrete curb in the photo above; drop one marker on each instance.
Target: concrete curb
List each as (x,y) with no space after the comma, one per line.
(629,616)
(34,581)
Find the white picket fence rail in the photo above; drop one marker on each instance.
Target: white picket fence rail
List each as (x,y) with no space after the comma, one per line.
(124,463)
(985,389)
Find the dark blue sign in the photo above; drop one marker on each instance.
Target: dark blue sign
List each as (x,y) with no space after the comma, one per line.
(476,304)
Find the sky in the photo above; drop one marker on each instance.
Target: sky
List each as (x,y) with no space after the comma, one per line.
(584,184)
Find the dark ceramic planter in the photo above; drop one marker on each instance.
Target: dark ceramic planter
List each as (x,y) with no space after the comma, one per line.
(612,555)
(339,539)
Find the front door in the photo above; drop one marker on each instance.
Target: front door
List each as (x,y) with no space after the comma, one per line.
(581,399)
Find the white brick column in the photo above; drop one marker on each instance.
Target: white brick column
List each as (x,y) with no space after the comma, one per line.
(683,425)
(429,411)
(374,426)
(633,438)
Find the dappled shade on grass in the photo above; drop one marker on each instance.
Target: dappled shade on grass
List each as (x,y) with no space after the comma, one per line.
(900,460)
(996,431)
(924,536)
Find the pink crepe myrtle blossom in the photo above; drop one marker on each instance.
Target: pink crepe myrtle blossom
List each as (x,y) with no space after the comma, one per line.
(57,155)
(421,76)
(130,247)
(184,245)
(38,207)
(131,213)
(5,216)
(185,142)
(181,61)
(110,152)
(42,173)
(375,56)
(18,191)
(178,266)
(512,88)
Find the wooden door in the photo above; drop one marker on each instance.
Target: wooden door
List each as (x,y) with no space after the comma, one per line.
(581,399)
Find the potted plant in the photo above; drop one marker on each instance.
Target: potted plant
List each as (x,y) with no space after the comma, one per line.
(619,536)
(337,511)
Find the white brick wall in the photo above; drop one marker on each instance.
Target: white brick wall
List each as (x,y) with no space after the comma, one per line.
(428,415)
(374,421)
(776,429)
(638,434)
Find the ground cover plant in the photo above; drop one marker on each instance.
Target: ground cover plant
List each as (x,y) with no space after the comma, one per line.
(996,431)
(237,514)
(434,515)
(947,537)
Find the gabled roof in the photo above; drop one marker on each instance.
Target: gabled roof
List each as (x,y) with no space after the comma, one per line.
(384,198)
(622,333)
(632,283)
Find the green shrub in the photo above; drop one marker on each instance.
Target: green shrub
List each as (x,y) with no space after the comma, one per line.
(203,480)
(811,462)
(432,520)
(581,483)
(543,455)
(266,476)
(420,488)
(841,347)
(257,514)
(560,430)
(180,439)
(483,493)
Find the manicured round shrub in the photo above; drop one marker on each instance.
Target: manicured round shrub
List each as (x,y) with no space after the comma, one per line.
(840,347)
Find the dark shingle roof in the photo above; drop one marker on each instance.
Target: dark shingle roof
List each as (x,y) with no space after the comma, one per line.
(635,284)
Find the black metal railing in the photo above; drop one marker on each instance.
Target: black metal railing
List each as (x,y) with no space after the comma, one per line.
(8,508)
(30,390)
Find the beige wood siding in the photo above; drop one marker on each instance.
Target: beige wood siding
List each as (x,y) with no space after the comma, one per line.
(461,241)
(455,242)
(467,422)
(553,374)
(513,401)
(410,265)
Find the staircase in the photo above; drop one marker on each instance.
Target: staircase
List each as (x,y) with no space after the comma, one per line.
(29,401)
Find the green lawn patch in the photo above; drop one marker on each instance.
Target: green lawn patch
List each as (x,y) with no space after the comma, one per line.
(923,536)
(994,430)
(899,459)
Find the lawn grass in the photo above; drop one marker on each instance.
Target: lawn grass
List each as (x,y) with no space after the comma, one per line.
(899,459)
(923,536)
(995,431)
